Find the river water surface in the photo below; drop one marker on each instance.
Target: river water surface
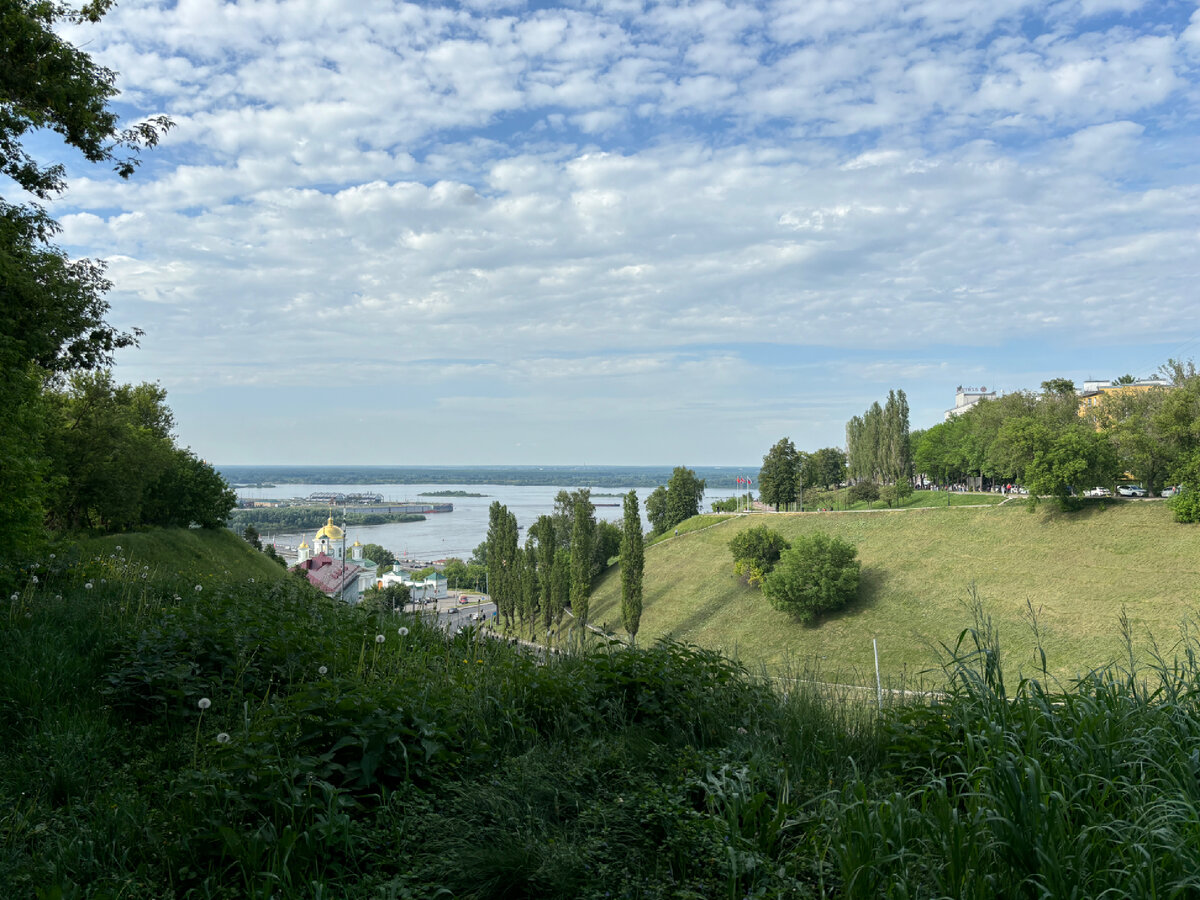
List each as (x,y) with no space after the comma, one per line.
(458,533)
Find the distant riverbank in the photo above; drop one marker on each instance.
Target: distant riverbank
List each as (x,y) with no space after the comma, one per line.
(556,476)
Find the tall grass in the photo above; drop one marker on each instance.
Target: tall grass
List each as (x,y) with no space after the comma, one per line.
(330,763)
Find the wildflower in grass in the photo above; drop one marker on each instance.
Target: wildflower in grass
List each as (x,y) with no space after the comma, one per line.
(118,548)
(104,581)
(222,738)
(379,638)
(52,556)
(14,596)
(35,579)
(252,581)
(322,671)
(87,585)
(402,631)
(199,588)
(204,703)
(58,596)
(143,575)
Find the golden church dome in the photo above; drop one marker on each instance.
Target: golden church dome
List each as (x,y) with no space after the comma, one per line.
(330,531)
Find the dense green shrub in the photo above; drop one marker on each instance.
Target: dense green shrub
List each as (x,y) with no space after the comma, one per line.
(819,573)
(864,492)
(1185,505)
(756,551)
(895,494)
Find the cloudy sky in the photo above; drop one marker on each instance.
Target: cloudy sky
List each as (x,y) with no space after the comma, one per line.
(637,233)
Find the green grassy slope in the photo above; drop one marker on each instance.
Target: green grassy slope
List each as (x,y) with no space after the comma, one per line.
(1079,570)
(189,552)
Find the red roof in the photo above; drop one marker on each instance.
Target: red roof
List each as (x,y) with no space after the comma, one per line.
(328,575)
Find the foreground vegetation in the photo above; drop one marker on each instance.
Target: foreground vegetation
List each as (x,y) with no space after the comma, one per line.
(242,740)
(1080,570)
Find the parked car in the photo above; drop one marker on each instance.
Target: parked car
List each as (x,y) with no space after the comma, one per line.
(1098,492)
(463,598)
(1131,490)
(1170,491)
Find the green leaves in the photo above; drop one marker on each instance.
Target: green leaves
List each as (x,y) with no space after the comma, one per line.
(819,573)
(756,551)
(777,479)
(633,557)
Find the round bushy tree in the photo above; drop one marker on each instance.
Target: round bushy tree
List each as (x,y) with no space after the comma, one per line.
(756,551)
(819,573)
(867,491)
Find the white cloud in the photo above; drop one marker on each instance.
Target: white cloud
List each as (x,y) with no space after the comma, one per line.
(588,194)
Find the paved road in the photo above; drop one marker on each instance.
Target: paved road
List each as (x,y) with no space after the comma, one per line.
(451,614)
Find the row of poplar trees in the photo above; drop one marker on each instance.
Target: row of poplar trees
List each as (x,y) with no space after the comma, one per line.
(532,584)
(877,443)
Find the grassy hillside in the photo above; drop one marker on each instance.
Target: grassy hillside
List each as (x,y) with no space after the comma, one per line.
(187,552)
(259,740)
(1078,570)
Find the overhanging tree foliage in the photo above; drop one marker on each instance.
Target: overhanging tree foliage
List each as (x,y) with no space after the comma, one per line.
(52,309)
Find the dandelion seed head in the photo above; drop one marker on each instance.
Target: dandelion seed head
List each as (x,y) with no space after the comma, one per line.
(402,631)
(52,556)
(223,738)
(199,588)
(87,585)
(14,596)
(323,670)
(379,638)
(204,703)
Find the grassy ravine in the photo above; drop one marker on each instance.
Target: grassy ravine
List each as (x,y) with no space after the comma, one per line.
(189,734)
(204,553)
(1080,571)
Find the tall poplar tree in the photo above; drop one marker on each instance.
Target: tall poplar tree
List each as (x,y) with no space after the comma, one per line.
(632,566)
(503,583)
(581,559)
(547,552)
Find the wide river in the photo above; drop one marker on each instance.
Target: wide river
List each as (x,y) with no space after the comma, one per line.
(458,533)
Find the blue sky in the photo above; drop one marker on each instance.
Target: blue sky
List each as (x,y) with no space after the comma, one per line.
(637,233)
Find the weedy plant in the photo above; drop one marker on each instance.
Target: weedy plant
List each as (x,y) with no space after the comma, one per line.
(329,763)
